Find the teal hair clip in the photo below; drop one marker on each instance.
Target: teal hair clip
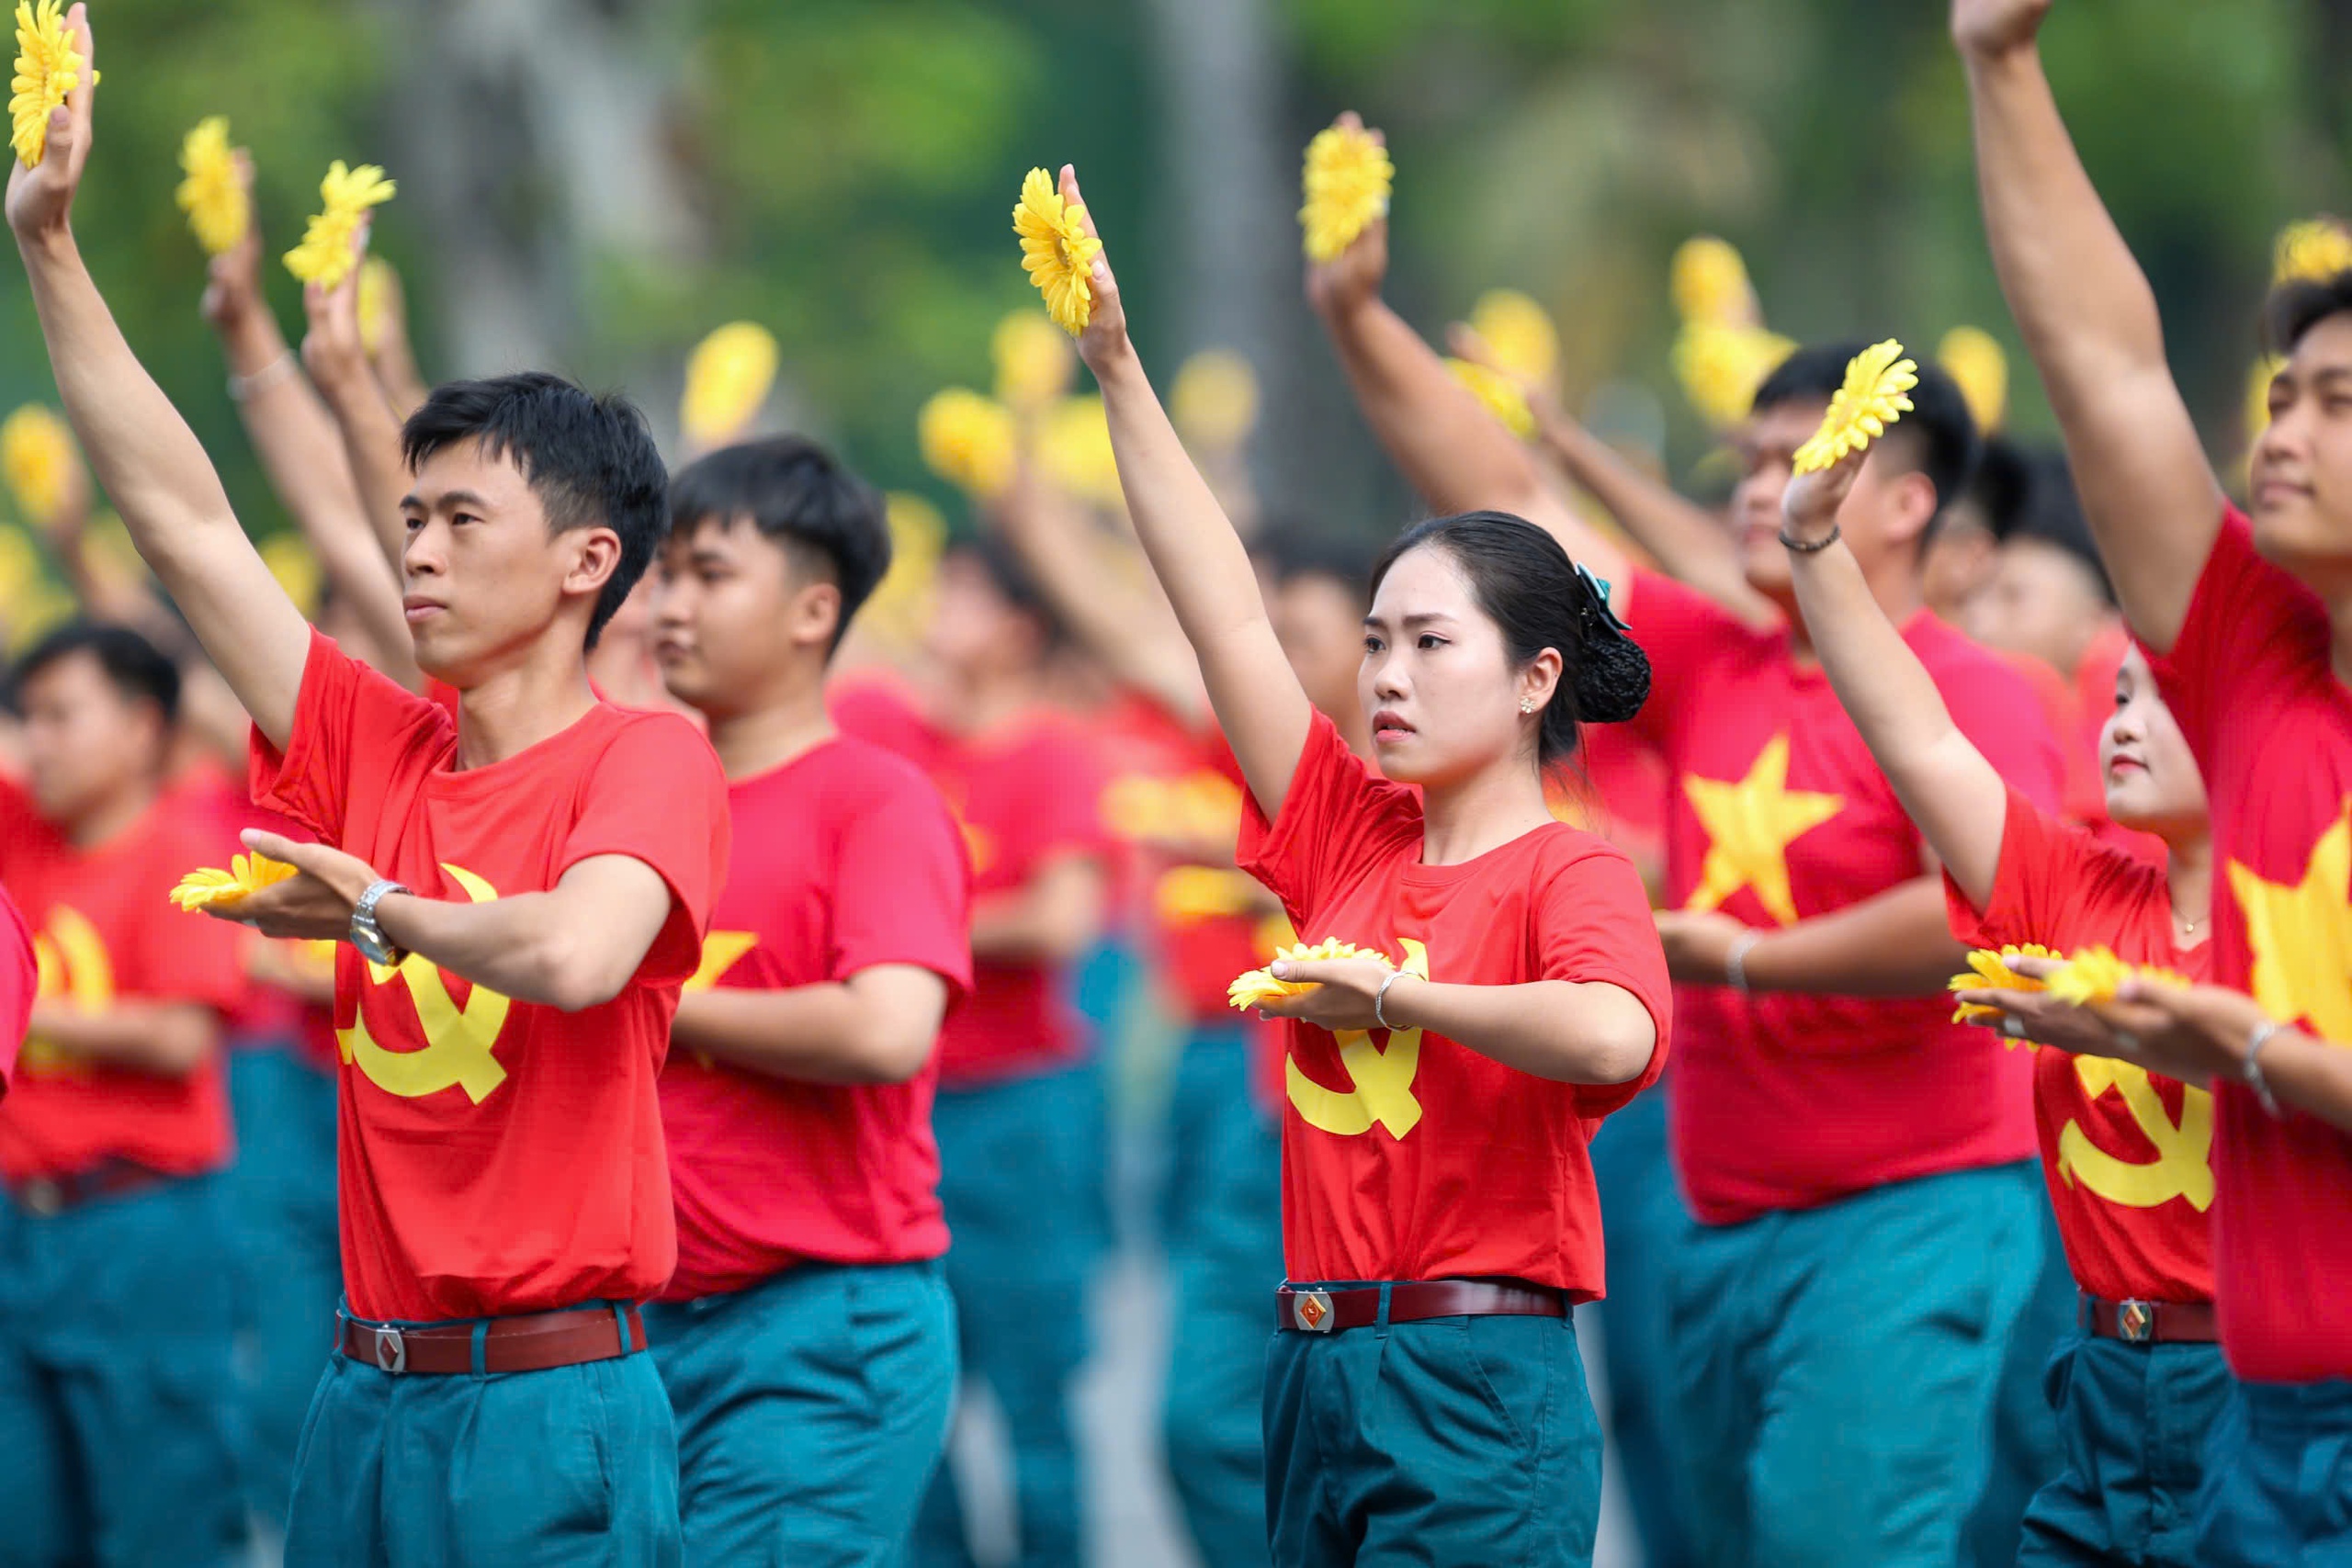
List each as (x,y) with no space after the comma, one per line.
(1598,588)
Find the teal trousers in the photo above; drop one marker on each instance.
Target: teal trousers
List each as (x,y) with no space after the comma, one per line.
(2278,1490)
(2132,1422)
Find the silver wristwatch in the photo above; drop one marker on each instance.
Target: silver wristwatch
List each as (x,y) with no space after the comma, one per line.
(366,934)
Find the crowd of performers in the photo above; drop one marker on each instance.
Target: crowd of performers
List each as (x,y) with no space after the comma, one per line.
(652,1059)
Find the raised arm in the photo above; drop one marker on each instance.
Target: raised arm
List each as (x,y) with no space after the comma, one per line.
(1199,559)
(2089,320)
(299,446)
(146,456)
(363,415)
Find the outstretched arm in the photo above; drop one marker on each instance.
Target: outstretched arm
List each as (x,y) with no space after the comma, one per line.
(876,1027)
(2089,320)
(146,456)
(1199,559)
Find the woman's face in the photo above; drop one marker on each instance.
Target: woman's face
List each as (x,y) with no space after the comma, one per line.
(2152,779)
(1437,683)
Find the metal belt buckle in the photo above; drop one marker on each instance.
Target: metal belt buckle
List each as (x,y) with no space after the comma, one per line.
(1311,1309)
(44,1198)
(2135,1322)
(391,1350)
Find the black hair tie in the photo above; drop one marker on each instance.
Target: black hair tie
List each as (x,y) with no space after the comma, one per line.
(1613,675)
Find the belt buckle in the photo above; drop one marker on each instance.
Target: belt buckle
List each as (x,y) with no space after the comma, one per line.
(43,1197)
(1311,1309)
(2135,1322)
(391,1350)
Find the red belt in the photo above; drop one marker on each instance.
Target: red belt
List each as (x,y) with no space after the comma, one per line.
(2148,1322)
(1358,1306)
(530,1344)
(48,1196)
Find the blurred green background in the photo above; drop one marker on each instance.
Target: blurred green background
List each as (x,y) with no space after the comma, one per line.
(591,184)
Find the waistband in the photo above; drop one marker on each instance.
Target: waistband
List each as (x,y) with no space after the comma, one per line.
(533,1342)
(49,1196)
(1326,1310)
(2147,1323)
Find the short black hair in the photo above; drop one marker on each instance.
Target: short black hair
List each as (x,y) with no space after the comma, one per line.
(2295,307)
(1292,550)
(1011,581)
(589,459)
(1939,427)
(2048,508)
(830,523)
(134,666)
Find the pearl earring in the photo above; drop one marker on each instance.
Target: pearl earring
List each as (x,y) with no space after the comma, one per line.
(1526,704)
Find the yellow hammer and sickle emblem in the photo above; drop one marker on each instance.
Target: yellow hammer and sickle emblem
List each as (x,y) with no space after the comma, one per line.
(457,1040)
(720,949)
(71,961)
(2183,1167)
(1383,1080)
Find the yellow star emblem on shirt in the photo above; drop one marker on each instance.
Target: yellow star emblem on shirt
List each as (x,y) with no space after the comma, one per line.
(2301,936)
(1751,824)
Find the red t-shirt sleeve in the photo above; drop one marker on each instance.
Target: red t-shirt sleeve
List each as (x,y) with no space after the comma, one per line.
(2048,871)
(347,718)
(905,893)
(2246,630)
(657,797)
(1681,631)
(1593,925)
(1336,818)
(17,982)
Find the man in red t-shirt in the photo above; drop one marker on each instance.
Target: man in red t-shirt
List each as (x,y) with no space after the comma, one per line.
(116,1310)
(504,1189)
(2246,624)
(1018,1116)
(797,1094)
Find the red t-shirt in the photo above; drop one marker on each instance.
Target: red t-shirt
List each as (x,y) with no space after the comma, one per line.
(1416,1158)
(17,980)
(499,1156)
(2128,1154)
(105,929)
(1790,1099)
(845,857)
(2250,682)
(1026,793)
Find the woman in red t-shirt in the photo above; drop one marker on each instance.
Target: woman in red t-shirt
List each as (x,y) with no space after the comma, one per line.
(2128,1153)
(1424,1395)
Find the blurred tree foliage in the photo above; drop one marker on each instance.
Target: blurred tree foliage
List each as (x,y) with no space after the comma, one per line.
(853,163)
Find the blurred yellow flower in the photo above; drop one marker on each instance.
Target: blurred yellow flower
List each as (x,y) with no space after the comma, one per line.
(968,440)
(19,567)
(49,66)
(1214,400)
(1974,358)
(1498,392)
(1033,361)
(1347,182)
(1260,987)
(211,195)
(37,459)
(377,284)
(1861,410)
(1520,334)
(2312,251)
(727,378)
(1074,451)
(324,255)
(1720,366)
(1187,894)
(289,561)
(1709,282)
(1056,251)
(2096,974)
(2258,396)
(900,603)
(246,875)
(1990,971)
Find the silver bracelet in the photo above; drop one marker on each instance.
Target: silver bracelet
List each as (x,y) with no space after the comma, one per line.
(1735,961)
(277,370)
(1380,998)
(2251,1069)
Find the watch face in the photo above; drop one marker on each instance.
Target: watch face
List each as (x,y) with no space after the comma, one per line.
(371,943)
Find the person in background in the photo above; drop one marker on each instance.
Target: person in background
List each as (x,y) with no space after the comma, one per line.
(19,978)
(116,1397)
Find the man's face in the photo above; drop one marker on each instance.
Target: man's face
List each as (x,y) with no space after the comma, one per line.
(1874,519)
(85,741)
(734,618)
(2042,602)
(2301,471)
(484,574)
(1320,621)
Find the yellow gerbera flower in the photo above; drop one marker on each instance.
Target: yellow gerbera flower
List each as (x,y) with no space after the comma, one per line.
(968,440)
(1260,987)
(246,875)
(1721,365)
(1990,971)
(2096,974)
(1032,359)
(37,460)
(1519,333)
(324,255)
(1074,451)
(2313,251)
(900,604)
(211,195)
(1709,282)
(289,561)
(1347,182)
(727,378)
(1974,358)
(376,284)
(1863,408)
(1214,400)
(49,66)
(1056,251)
(1498,392)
